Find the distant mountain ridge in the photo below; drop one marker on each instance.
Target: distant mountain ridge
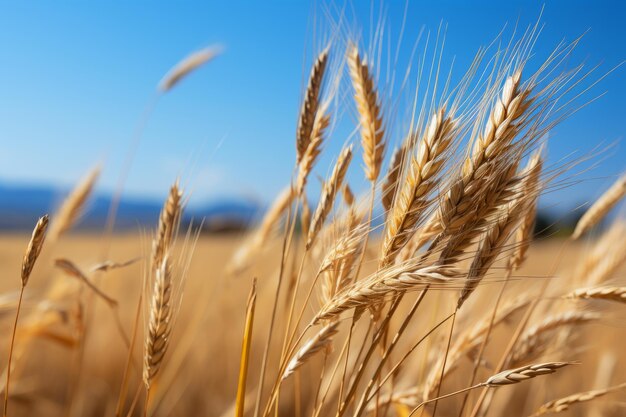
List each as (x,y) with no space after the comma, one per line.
(20,206)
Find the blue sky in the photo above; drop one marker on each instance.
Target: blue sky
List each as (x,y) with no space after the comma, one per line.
(76,77)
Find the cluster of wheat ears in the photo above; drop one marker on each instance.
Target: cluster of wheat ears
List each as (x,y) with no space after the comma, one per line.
(381,314)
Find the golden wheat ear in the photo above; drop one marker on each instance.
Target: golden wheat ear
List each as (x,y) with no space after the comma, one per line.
(563,404)
(421,180)
(370,114)
(310,104)
(72,207)
(601,207)
(169,220)
(329,192)
(189,64)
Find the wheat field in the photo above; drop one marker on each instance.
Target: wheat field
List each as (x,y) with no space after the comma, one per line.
(423,295)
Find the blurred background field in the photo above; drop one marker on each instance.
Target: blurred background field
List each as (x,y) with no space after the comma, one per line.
(203,364)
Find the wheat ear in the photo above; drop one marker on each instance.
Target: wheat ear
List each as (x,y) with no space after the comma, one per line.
(34,248)
(329,192)
(606,256)
(320,124)
(603,293)
(420,180)
(517,375)
(188,65)
(168,225)
(531,189)
(374,289)
(159,323)
(491,244)
(73,205)
(394,173)
(370,114)
(339,261)
(490,154)
(321,340)
(563,404)
(533,342)
(601,207)
(251,247)
(309,110)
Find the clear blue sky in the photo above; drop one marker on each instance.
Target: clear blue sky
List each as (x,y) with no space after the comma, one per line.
(76,76)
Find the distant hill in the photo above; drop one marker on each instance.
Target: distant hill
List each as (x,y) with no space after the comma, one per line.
(20,206)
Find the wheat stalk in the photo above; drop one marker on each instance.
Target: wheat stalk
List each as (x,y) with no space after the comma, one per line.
(533,342)
(28,262)
(339,261)
(321,122)
(563,404)
(321,340)
(601,207)
(420,180)
(491,244)
(245,352)
(466,345)
(189,64)
(309,110)
(603,293)
(517,375)
(329,191)
(34,248)
(372,290)
(251,247)
(72,270)
(73,205)
(168,225)
(160,322)
(491,153)
(370,114)
(508,377)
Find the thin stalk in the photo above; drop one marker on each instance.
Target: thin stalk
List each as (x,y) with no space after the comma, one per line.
(122,397)
(445,360)
(518,332)
(483,345)
(268,341)
(386,355)
(6,388)
(482,384)
(406,355)
(377,337)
